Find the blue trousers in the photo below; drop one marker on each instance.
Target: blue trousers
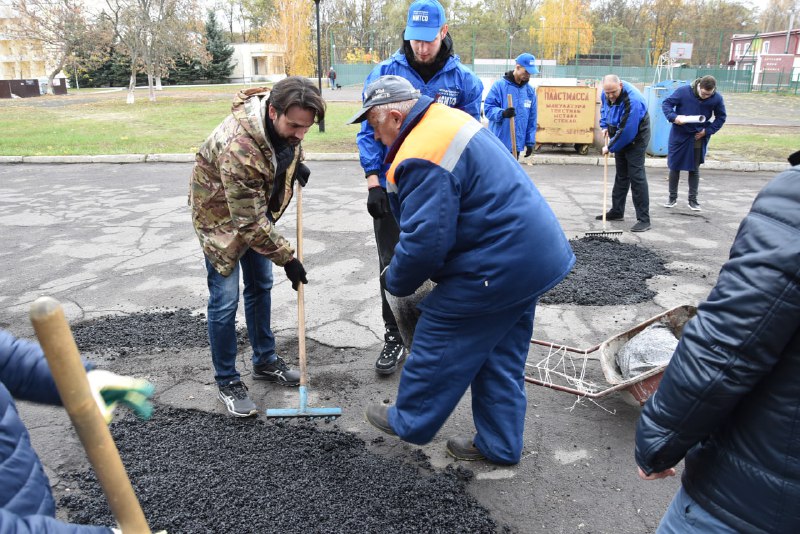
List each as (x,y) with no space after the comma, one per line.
(449,355)
(685,516)
(223,301)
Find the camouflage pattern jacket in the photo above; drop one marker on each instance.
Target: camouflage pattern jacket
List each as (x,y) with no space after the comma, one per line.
(234,195)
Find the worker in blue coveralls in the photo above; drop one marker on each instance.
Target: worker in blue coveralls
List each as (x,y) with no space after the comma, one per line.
(470,220)
(498,112)
(426,59)
(688,141)
(26,500)
(626,126)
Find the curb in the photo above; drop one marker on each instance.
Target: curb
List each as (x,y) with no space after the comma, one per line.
(659,163)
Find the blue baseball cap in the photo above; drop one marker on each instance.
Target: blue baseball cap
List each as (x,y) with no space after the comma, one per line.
(425,18)
(528,61)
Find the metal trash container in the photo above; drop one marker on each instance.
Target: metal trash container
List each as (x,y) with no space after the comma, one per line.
(659,125)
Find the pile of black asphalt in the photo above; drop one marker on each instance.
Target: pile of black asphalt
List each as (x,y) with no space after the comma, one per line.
(201,472)
(607,272)
(155,330)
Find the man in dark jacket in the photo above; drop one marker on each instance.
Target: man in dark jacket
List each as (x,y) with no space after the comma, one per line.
(626,126)
(690,108)
(729,401)
(470,220)
(26,501)
(428,62)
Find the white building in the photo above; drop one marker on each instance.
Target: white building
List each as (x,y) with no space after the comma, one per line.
(258,62)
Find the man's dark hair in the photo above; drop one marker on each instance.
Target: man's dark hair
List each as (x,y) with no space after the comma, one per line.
(297,91)
(709,83)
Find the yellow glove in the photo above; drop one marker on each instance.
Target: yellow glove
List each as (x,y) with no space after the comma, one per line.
(109,389)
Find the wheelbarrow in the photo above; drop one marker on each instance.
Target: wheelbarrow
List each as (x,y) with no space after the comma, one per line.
(636,389)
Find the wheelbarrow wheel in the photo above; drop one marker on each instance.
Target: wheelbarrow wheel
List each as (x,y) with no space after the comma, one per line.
(581,149)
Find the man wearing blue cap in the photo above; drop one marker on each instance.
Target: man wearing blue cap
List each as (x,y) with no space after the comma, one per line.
(428,62)
(523,96)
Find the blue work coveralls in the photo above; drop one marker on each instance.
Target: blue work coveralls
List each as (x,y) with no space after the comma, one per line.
(472,221)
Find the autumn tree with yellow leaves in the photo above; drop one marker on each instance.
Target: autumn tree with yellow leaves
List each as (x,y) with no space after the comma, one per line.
(291,27)
(565,29)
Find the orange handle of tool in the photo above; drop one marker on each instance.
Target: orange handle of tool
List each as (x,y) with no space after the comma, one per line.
(513,129)
(69,374)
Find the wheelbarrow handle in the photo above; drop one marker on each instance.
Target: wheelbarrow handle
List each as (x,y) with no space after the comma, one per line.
(62,355)
(556,346)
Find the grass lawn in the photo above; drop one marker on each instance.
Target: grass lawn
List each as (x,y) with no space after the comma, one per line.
(96,121)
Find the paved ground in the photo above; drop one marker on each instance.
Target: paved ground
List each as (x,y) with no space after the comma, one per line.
(111,239)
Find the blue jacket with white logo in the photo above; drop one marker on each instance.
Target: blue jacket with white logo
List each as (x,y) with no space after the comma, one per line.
(626,119)
(524,98)
(454,85)
(26,501)
(470,218)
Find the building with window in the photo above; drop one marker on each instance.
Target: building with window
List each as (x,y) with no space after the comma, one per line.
(258,62)
(773,57)
(19,58)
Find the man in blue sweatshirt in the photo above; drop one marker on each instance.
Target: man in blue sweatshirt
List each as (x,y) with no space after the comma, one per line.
(523,96)
(626,126)
(428,62)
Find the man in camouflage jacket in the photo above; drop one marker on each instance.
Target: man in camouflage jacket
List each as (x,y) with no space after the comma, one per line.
(241,184)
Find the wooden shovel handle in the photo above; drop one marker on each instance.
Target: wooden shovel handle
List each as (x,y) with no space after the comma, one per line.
(513,129)
(301,313)
(65,364)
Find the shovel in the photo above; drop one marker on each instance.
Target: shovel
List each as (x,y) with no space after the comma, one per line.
(328,414)
(513,130)
(69,374)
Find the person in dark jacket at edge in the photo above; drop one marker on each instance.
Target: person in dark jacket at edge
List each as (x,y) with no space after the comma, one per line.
(427,60)
(473,222)
(498,113)
(26,500)
(626,126)
(688,141)
(729,401)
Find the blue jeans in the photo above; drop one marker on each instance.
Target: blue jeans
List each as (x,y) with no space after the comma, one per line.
(685,516)
(223,300)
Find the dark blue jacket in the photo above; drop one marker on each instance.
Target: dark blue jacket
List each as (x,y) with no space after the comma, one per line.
(685,101)
(730,398)
(454,85)
(26,501)
(524,98)
(470,218)
(626,119)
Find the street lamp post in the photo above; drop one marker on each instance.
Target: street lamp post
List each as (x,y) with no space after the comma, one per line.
(319,64)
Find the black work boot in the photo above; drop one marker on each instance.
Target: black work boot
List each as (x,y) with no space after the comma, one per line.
(378,416)
(462,448)
(392,354)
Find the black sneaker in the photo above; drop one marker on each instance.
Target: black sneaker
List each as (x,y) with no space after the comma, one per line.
(277,372)
(640,227)
(671,203)
(694,206)
(611,216)
(234,395)
(392,355)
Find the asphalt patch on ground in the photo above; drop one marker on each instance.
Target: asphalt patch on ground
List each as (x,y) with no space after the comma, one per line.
(145,331)
(607,272)
(202,472)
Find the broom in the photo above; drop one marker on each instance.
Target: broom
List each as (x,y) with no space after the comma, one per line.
(328,414)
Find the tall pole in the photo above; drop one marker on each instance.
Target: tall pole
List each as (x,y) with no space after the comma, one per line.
(319,64)
(613,36)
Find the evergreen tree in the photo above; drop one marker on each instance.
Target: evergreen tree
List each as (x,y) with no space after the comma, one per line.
(220,50)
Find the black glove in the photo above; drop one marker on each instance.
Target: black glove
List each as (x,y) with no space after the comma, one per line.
(509,112)
(377,203)
(302,173)
(528,151)
(295,272)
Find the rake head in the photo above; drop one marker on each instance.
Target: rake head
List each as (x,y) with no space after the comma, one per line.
(604,233)
(304,412)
